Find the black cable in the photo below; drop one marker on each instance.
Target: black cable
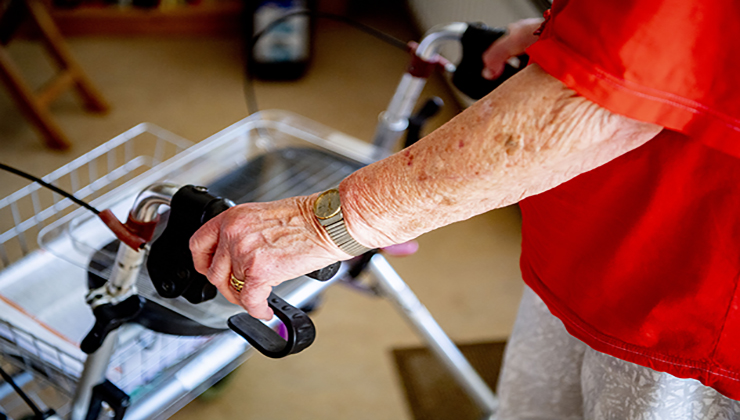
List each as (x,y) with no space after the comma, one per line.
(49,186)
(37,414)
(251,97)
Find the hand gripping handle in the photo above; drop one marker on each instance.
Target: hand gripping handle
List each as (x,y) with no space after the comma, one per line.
(171,269)
(468,75)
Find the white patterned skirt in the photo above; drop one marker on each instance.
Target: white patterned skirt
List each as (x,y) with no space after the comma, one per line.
(548,374)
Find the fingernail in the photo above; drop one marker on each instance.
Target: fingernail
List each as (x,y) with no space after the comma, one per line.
(487,74)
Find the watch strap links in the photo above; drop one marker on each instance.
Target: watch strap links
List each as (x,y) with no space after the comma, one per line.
(338,233)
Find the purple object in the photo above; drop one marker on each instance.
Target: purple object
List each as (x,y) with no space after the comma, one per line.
(283,331)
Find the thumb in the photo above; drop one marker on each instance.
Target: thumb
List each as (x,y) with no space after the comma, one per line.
(254,300)
(494,59)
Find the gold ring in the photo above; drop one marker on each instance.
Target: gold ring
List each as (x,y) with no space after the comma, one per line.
(236,284)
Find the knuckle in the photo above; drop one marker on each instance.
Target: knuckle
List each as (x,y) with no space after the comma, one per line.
(244,267)
(232,229)
(242,249)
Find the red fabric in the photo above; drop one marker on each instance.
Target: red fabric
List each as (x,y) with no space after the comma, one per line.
(641,257)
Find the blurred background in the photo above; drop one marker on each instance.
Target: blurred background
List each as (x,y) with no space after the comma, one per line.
(180,64)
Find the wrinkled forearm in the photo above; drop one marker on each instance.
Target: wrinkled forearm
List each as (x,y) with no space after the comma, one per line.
(528,136)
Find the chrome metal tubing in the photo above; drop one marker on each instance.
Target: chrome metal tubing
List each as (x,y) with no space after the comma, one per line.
(93,374)
(409,306)
(429,45)
(222,356)
(128,261)
(195,376)
(121,284)
(148,201)
(395,119)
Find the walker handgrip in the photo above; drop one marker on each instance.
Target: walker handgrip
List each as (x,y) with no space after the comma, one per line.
(301,331)
(171,270)
(467,77)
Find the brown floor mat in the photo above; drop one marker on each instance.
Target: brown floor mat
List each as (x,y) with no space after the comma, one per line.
(432,393)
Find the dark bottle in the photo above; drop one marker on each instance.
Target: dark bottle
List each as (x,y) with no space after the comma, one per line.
(284,51)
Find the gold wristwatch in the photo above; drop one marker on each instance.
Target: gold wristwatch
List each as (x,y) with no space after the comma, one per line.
(328,210)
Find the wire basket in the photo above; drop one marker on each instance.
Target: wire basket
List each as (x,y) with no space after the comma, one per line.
(45,373)
(25,212)
(39,332)
(43,315)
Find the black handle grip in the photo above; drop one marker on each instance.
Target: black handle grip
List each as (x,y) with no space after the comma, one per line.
(171,270)
(301,331)
(468,78)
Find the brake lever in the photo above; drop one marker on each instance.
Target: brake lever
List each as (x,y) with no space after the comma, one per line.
(173,274)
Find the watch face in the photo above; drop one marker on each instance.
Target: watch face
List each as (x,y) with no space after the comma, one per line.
(327,205)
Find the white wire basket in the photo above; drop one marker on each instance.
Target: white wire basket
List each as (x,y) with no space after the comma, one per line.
(25,212)
(43,316)
(42,311)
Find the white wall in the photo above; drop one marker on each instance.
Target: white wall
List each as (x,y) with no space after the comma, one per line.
(491,12)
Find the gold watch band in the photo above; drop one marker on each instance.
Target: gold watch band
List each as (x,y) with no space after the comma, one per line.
(338,233)
(328,210)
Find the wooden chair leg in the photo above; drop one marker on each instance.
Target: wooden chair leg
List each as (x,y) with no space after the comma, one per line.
(60,52)
(28,104)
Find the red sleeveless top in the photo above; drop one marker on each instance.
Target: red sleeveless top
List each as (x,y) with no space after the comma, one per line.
(640,257)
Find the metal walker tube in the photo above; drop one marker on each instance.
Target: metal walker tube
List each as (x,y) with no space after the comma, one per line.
(121,283)
(395,119)
(93,373)
(391,125)
(409,306)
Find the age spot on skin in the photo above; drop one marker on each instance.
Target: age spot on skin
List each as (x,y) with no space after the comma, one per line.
(409,158)
(511,144)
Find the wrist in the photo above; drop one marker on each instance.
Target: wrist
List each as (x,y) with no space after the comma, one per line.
(363,214)
(328,215)
(319,233)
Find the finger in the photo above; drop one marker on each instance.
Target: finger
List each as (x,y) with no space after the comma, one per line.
(203,244)
(219,273)
(490,75)
(254,300)
(496,55)
(402,250)
(231,294)
(519,36)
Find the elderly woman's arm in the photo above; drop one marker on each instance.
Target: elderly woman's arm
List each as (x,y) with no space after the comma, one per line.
(526,137)
(529,135)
